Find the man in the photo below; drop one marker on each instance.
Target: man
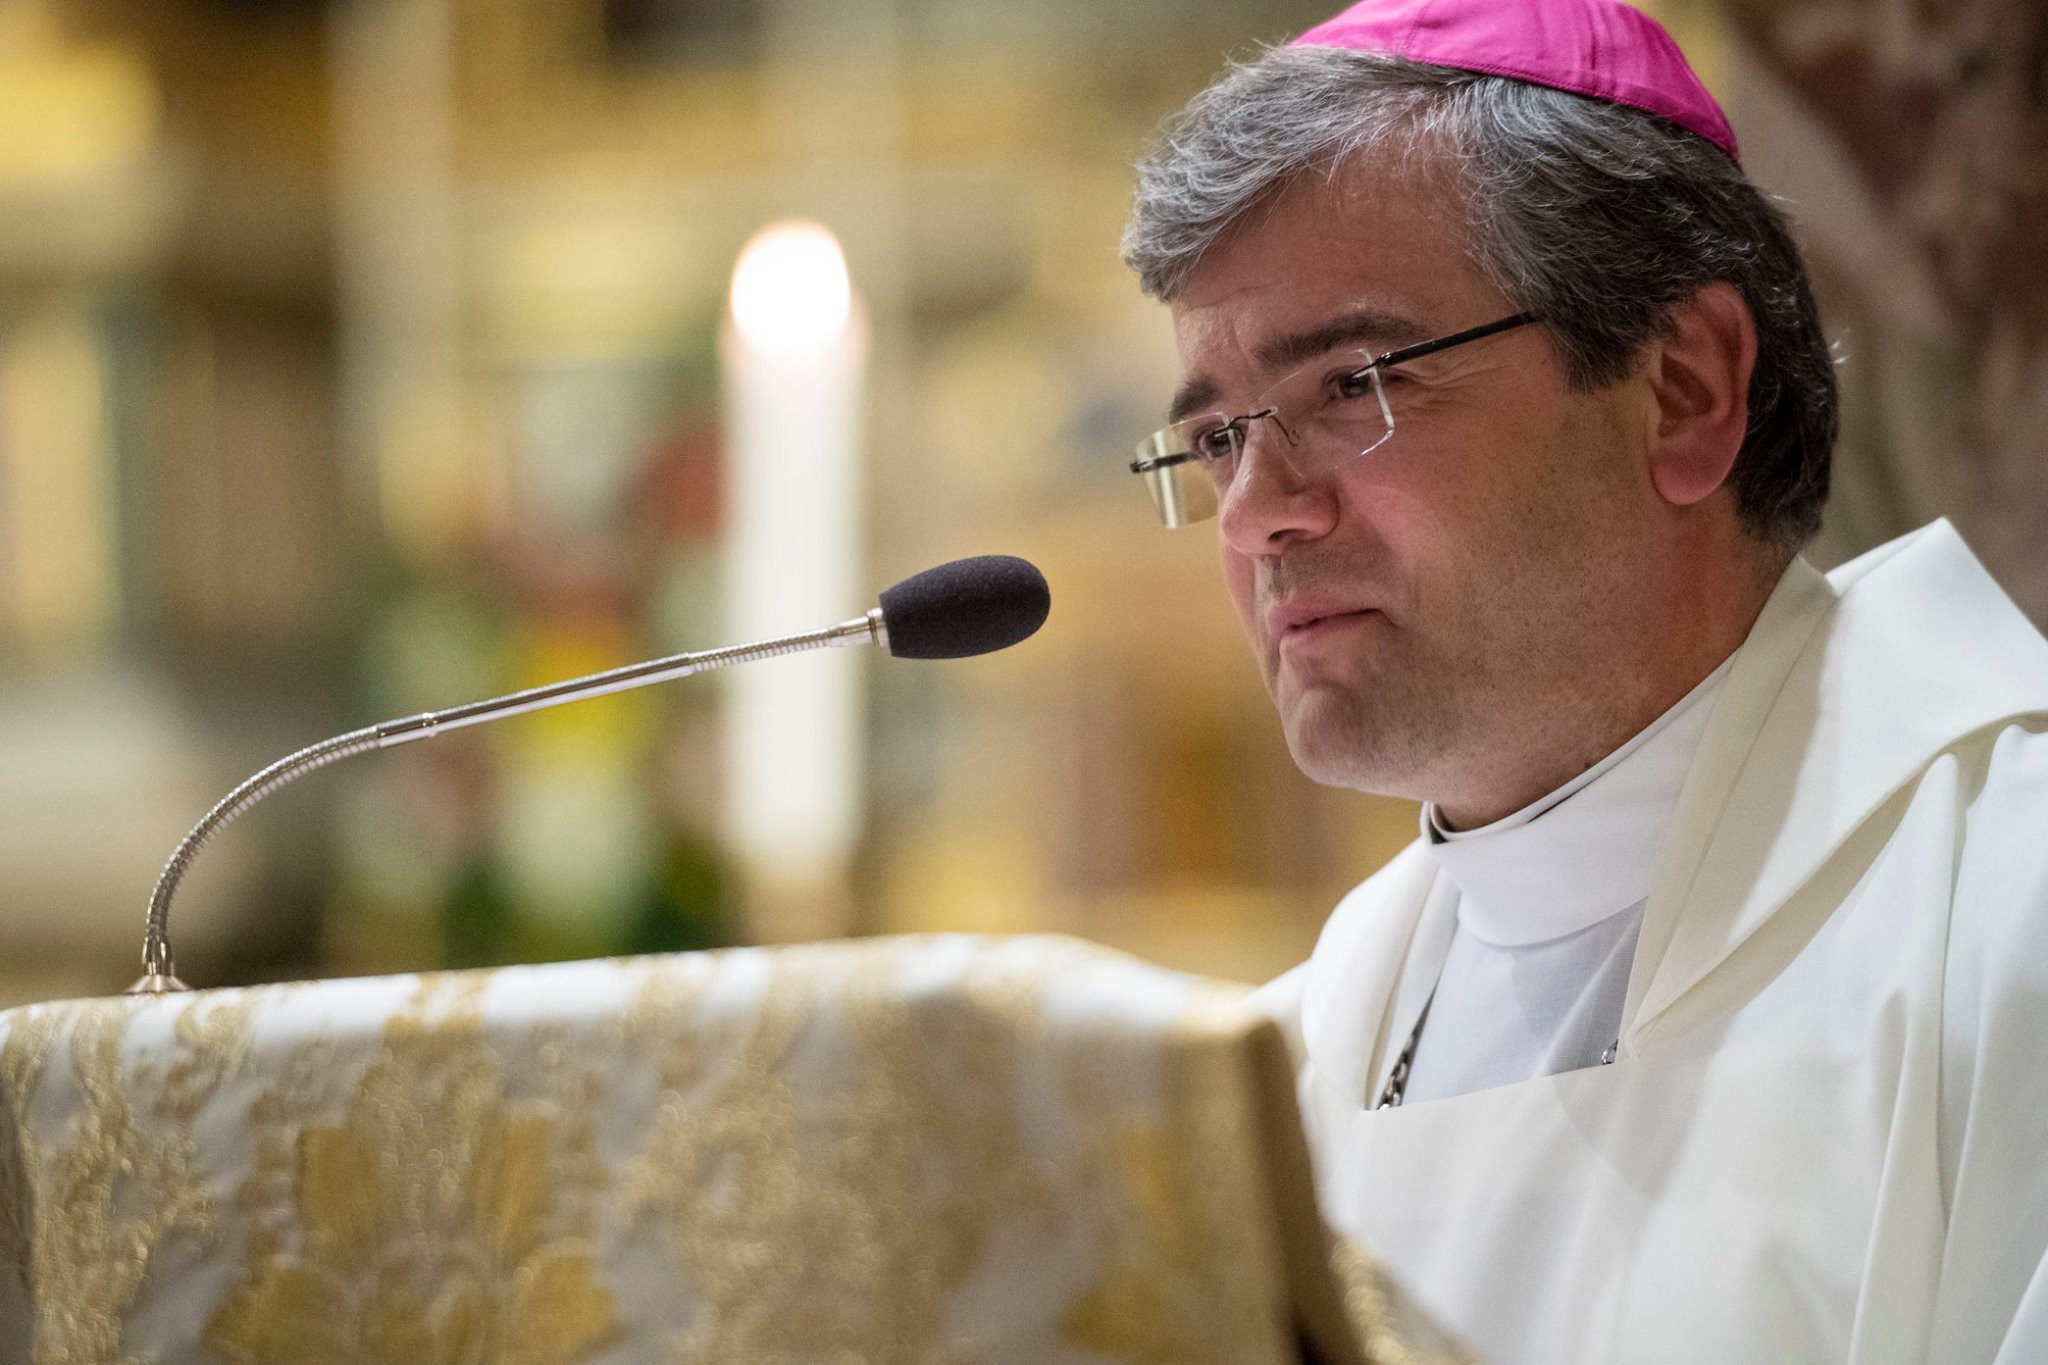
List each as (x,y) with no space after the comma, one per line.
(1708,1020)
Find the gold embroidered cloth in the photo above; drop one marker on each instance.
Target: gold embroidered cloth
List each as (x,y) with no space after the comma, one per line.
(929,1150)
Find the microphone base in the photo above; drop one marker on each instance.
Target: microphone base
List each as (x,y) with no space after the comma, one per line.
(156,983)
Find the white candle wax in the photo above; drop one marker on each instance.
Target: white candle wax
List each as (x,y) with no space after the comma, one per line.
(794,352)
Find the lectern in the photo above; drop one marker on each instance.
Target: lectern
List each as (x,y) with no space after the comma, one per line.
(924,1150)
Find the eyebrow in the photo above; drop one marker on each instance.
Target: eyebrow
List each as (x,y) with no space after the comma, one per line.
(1365,326)
(1191,397)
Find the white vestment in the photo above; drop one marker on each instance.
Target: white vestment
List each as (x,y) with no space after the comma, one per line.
(1550,903)
(1826,1136)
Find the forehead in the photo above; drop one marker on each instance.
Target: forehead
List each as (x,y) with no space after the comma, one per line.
(1366,239)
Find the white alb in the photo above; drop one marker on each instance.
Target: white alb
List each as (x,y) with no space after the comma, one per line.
(1536,970)
(1826,1137)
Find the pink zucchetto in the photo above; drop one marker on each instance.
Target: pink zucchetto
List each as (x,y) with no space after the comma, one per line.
(1600,48)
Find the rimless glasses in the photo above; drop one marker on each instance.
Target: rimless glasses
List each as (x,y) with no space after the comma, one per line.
(1326,414)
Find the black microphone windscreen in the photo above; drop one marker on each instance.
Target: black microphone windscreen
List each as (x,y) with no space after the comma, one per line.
(970,606)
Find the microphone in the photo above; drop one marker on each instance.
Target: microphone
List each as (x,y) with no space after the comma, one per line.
(956,610)
(968,607)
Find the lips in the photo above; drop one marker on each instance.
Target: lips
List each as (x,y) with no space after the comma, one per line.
(1298,617)
(1305,621)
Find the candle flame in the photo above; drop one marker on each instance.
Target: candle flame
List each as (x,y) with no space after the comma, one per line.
(790,291)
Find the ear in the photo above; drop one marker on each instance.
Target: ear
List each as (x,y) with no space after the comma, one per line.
(1699,386)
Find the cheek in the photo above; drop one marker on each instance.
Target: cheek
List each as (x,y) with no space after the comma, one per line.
(1439,530)
(1466,480)
(1405,515)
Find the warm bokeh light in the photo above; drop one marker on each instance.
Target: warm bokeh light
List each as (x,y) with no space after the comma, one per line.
(357,360)
(790,291)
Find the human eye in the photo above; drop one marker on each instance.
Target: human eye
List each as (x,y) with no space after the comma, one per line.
(1349,385)
(1216,443)
(1354,408)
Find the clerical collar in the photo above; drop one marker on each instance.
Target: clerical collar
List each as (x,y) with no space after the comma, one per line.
(1583,852)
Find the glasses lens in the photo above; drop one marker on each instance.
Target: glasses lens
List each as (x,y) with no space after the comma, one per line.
(1333,416)
(1180,485)
(1318,418)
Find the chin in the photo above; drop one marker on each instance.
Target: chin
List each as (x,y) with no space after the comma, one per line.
(1335,743)
(1376,741)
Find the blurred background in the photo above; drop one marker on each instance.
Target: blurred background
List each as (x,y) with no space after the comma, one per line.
(363,357)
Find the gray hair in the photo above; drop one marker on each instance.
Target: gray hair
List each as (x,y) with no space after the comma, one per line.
(1597,216)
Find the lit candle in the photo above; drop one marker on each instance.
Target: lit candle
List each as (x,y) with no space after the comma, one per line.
(794,352)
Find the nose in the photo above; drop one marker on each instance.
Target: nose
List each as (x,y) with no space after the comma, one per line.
(1271,502)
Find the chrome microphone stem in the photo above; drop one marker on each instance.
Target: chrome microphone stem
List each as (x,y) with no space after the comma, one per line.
(862,630)
(159,974)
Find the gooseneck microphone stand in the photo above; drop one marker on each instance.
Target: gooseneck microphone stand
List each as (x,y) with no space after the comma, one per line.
(158,972)
(953,611)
